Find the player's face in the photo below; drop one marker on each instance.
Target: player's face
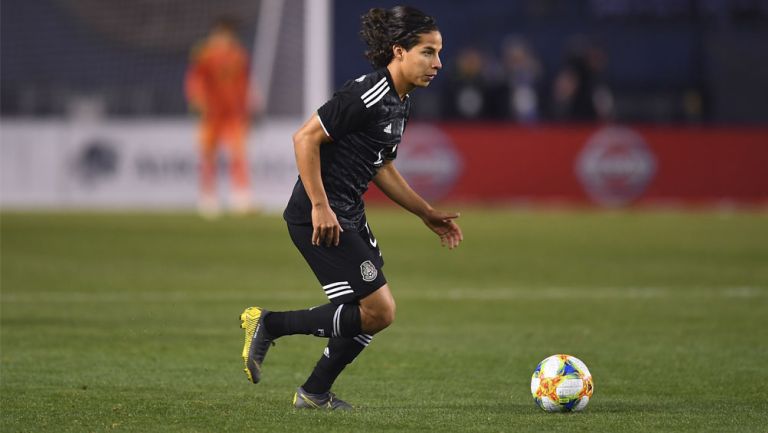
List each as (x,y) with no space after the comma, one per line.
(421,63)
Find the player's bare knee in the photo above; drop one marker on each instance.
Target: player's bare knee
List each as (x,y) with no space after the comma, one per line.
(388,315)
(384,319)
(376,320)
(375,324)
(369,322)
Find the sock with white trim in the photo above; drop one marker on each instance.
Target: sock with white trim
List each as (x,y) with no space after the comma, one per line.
(327,320)
(339,353)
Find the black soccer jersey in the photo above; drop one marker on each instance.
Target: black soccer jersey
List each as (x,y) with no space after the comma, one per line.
(365,119)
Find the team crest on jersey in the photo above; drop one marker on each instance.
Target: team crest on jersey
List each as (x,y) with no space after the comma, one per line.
(368,271)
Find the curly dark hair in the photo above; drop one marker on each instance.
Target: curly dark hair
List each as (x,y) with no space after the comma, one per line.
(384,28)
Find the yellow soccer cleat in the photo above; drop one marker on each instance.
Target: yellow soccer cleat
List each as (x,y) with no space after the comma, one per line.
(257,341)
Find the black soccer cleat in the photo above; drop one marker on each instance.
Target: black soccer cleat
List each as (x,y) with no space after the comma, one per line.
(326,401)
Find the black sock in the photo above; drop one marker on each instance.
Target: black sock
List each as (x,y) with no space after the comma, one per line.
(327,320)
(339,353)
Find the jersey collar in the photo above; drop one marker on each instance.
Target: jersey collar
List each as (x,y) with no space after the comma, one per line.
(392,86)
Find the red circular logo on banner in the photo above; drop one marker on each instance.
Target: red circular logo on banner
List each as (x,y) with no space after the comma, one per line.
(615,166)
(428,160)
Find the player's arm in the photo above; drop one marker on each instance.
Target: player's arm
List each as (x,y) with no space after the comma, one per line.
(392,183)
(194,81)
(306,144)
(193,86)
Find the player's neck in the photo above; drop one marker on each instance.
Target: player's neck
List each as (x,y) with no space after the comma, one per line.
(402,86)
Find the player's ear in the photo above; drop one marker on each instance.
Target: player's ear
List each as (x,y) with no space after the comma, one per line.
(397,51)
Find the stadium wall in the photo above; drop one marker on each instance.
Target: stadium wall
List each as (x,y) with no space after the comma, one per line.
(129,164)
(143,164)
(608,165)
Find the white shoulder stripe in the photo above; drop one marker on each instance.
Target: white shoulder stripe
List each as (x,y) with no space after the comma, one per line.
(378,97)
(374,88)
(375,94)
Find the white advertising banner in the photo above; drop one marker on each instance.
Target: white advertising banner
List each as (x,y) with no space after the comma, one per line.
(151,164)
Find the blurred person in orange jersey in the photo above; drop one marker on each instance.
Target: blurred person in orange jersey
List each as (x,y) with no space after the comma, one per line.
(216,86)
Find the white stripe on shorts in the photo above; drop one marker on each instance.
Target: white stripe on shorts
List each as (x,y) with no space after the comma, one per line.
(336,295)
(338,283)
(337,289)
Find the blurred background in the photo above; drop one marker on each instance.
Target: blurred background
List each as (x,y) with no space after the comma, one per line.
(594,102)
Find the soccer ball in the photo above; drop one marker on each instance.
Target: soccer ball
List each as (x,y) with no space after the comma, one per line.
(562,383)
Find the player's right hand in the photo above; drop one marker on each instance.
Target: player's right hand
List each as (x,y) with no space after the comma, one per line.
(443,224)
(326,228)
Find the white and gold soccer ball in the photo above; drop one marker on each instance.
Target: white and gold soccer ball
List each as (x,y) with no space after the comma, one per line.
(562,383)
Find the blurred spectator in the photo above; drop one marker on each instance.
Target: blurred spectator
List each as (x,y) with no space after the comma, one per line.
(521,71)
(217,87)
(579,92)
(467,92)
(693,105)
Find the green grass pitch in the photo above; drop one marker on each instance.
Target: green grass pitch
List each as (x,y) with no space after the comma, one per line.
(128,323)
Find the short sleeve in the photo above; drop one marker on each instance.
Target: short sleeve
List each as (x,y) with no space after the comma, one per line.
(343,114)
(391,155)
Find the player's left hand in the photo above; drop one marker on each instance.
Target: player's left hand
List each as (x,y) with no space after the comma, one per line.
(443,224)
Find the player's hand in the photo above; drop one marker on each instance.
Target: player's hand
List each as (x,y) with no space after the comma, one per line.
(326,228)
(197,108)
(443,224)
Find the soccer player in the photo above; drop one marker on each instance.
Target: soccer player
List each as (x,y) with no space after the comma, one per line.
(350,141)
(216,86)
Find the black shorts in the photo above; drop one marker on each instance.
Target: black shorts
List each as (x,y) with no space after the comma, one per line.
(348,272)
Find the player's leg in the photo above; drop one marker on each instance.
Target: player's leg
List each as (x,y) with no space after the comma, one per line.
(378,312)
(375,312)
(238,167)
(350,274)
(208,203)
(349,333)
(354,283)
(263,327)
(345,279)
(329,320)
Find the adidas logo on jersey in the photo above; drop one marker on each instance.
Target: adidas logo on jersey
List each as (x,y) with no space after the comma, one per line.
(388,129)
